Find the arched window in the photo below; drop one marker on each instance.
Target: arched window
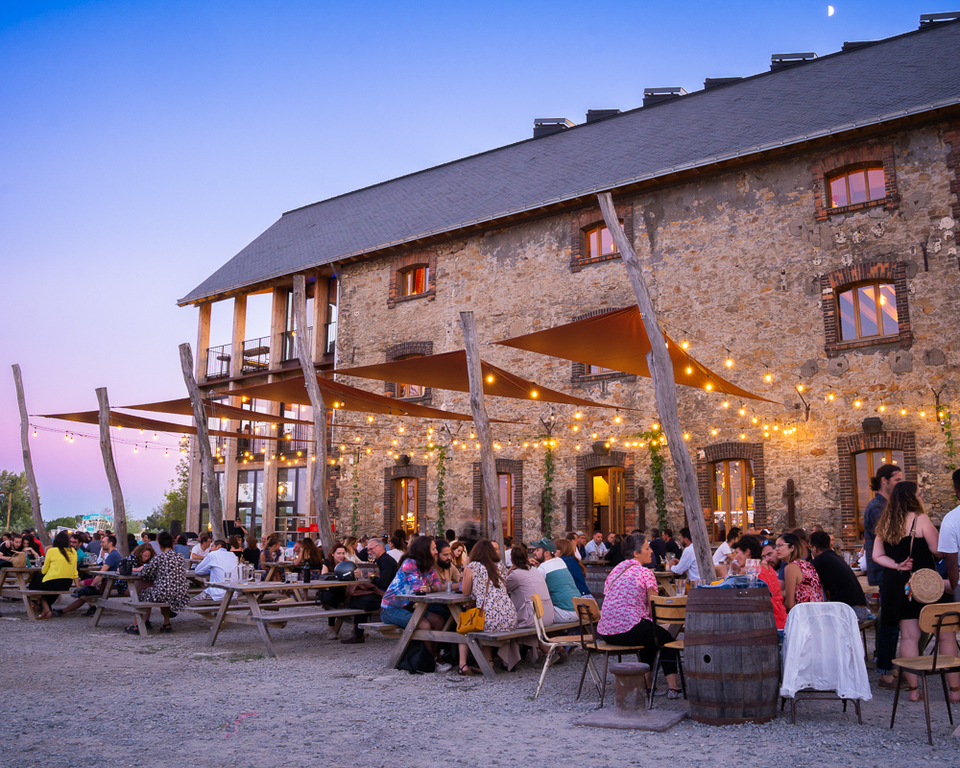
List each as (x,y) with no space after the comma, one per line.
(856,186)
(868,310)
(733,492)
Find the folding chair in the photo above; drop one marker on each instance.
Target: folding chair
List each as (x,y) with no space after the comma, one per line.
(934,619)
(589,612)
(555,643)
(668,610)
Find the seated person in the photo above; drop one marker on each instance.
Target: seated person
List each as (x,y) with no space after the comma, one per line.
(367,597)
(182,548)
(220,564)
(559,580)
(310,553)
(724,554)
(486,579)
(252,553)
(749,547)
(57,574)
(170,585)
(625,615)
(595,548)
(110,557)
(335,596)
(523,582)
(272,553)
(686,566)
(837,578)
(672,548)
(801,582)
(566,551)
(202,547)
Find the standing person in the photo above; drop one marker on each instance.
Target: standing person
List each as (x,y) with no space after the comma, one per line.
(58,572)
(950,538)
(905,542)
(170,586)
(559,581)
(839,583)
(367,597)
(882,484)
(486,579)
(801,582)
(686,566)
(595,548)
(221,564)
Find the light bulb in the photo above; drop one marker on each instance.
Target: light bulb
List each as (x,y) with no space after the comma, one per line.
(729,363)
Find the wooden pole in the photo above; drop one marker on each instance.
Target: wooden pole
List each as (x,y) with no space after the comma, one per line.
(320,471)
(9,504)
(203,443)
(665,389)
(106,449)
(488,465)
(28,462)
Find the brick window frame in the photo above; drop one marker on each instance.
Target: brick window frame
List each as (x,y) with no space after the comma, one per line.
(587,220)
(951,136)
(850,159)
(504,466)
(419,471)
(578,371)
(407,349)
(588,461)
(733,451)
(849,446)
(400,265)
(836,282)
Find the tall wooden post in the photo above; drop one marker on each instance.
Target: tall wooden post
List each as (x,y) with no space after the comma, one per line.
(665,389)
(106,449)
(203,443)
(790,494)
(28,461)
(320,471)
(488,465)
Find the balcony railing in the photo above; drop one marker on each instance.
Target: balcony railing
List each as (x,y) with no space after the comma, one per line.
(256,352)
(256,355)
(294,438)
(218,361)
(288,342)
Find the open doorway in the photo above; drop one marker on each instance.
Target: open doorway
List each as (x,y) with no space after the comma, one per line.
(605,500)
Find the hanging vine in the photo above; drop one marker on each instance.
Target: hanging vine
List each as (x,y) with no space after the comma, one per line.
(355,502)
(946,424)
(441,488)
(548,470)
(654,442)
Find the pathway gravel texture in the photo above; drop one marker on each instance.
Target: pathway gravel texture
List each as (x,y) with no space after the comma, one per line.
(75,695)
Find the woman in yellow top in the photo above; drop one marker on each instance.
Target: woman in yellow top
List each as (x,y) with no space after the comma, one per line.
(58,573)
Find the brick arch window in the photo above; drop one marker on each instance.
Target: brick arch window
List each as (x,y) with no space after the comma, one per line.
(410,392)
(397,480)
(865,305)
(726,474)
(854,179)
(586,466)
(858,454)
(591,242)
(412,277)
(584,373)
(510,482)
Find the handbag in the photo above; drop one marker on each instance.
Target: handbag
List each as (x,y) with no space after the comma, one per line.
(926,585)
(473,619)
(125,568)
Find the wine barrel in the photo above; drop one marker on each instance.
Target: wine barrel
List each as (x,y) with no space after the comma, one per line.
(731,656)
(597,573)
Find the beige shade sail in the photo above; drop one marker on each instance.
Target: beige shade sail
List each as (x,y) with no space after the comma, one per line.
(448,370)
(214,410)
(618,340)
(139,422)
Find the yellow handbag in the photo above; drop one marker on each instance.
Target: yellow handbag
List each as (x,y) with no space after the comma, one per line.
(472,619)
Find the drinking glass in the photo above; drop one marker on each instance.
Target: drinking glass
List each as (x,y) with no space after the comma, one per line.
(449,585)
(258,576)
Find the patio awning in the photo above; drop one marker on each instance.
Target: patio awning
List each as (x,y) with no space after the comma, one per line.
(618,340)
(152,425)
(448,370)
(214,410)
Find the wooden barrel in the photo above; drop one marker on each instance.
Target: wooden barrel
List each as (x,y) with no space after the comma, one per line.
(731,656)
(596,576)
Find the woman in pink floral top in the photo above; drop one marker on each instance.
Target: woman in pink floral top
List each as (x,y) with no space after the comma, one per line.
(625,616)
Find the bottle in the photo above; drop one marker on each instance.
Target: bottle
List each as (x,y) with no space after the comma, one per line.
(306,572)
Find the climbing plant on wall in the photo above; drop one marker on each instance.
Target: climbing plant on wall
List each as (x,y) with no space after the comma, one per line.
(654,441)
(441,488)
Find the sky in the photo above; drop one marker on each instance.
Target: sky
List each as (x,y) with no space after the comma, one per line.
(143,143)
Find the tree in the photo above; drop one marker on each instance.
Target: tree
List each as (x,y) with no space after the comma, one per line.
(65,522)
(21,515)
(174,506)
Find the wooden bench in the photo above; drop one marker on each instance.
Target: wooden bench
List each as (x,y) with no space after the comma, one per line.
(140,611)
(338,613)
(498,639)
(29,595)
(387,630)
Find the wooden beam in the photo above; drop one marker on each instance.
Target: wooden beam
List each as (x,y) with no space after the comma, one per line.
(106,450)
(320,471)
(203,443)
(28,461)
(488,464)
(665,389)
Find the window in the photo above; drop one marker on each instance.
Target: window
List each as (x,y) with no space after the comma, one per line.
(598,242)
(205,503)
(250,499)
(858,186)
(596,370)
(733,494)
(865,466)
(868,310)
(291,501)
(506,502)
(414,281)
(406,492)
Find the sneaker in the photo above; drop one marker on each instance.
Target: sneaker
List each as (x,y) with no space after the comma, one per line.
(332,634)
(675,693)
(90,611)
(441,667)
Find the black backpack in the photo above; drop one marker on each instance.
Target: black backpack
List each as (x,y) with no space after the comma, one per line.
(417,659)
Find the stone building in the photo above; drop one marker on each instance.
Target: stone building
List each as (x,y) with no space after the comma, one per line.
(797,229)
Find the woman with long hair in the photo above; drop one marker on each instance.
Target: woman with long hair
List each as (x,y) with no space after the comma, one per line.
(565,551)
(350,547)
(800,579)
(485,577)
(312,554)
(57,574)
(458,552)
(906,541)
(170,585)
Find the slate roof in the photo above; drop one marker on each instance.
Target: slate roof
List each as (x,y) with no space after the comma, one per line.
(909,74)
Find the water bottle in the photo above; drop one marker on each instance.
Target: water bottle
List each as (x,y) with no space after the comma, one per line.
(306,572)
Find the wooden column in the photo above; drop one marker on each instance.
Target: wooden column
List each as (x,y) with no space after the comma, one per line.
(203,443)
(278,324)
(321,301)
(665,389)
(28,461)
(488,464)
(319,412)
(106,449)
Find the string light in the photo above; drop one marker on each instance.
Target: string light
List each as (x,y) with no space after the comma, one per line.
(768,378)
(725,404)
(685,344)
(728,362)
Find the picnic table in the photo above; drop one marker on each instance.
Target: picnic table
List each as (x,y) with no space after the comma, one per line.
(22,577)
(256,611)
(130,602)
(665,580)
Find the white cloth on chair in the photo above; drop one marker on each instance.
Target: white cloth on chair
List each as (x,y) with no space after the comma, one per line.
(823,651)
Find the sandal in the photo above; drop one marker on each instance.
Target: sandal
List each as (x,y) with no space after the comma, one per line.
(132,630)
(919,693)
(466,671)
(954,692)
(166,628)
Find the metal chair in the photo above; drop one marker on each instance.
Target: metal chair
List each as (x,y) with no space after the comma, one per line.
(934,619)
(668,610)
(555,643)
(589,612)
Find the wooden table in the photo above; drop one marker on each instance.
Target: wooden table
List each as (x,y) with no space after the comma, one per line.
(129,603)
(254,593)
(455,602)
(666,579)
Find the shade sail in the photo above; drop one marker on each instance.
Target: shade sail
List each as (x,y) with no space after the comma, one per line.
(618,340)
(153,425)
(448,370)
(344,397)
(214,410)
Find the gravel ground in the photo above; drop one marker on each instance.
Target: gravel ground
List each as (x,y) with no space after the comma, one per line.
(78,695)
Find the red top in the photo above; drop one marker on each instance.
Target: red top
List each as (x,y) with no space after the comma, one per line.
(769,577)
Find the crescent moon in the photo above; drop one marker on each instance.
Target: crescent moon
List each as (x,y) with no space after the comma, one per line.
(829,10)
